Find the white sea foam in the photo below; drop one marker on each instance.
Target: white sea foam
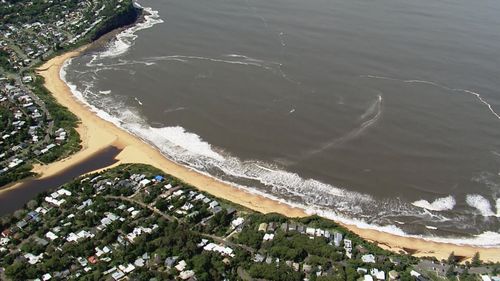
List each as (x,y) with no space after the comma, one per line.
(107,92)
(486,239)
(480,203)
(138,100)
(125,39)
(498,207)
(439,204)
(475,94)
(174,109)
(431,227)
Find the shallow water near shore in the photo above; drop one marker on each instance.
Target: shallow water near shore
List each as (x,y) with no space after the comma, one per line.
(381,114)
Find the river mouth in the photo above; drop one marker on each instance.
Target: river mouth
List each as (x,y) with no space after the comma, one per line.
(15,198)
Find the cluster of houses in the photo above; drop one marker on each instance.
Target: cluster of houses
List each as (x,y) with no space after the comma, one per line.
(26,42)
(26,130)
(139,184)
(131,209)
(30,33)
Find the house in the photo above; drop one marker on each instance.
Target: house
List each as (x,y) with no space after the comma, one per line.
(337,239)
(144,182)
(139,262)
(269,260)
(21,224)
(378,274)
(226,251)
(27,79)
(368,277)
(117,275)
(284,227)
(51,235)
(170,261)
(268,237)
(92,259)
(271,227)
(301,229)
(181,265)
(310,231)
(6,233)
(369,258)
(262,227)
(362,270)
(127,269)
(259,258)
(348,248)
(237,222)
(184,275)
(32,259)
(213,204)
(4,241)
(393,275)
(415,274)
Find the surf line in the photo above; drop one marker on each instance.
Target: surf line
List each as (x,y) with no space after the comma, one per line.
(477,95)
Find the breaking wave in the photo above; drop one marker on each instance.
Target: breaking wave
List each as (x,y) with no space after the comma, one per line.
(481,204)
(125,39)
(440,204)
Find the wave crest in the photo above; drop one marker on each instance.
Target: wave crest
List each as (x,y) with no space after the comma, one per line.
(439,204)
(480,203)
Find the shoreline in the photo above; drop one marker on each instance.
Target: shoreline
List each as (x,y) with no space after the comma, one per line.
(135,150)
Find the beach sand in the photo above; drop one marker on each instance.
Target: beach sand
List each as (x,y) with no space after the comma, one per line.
(97,134)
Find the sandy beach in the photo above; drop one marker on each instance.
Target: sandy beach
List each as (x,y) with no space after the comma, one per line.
(97,134)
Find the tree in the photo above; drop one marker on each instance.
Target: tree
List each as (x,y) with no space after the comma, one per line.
(496,269)
(452,260)
(476,260)
(450,272)
(32,204)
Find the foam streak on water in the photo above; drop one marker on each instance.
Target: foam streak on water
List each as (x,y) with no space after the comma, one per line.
(477,95)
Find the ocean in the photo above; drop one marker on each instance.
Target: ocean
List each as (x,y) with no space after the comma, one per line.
(384,114)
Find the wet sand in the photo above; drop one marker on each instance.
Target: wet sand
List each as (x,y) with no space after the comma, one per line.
(97,134)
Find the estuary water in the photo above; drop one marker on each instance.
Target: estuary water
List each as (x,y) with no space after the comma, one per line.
(380,113)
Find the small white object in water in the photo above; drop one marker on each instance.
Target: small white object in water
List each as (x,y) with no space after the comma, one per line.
(138,101)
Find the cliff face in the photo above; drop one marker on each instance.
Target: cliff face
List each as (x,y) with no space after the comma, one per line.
(125,16)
